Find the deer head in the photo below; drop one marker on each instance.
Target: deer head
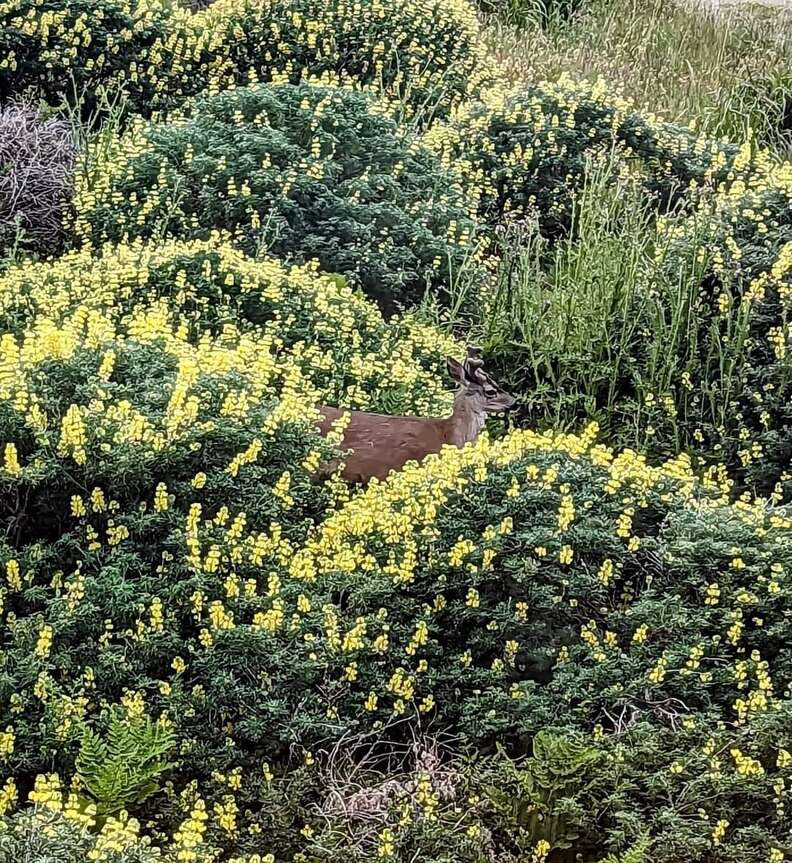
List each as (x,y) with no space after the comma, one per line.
(478,394)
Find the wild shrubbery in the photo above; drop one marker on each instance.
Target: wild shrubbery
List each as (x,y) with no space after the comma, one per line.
(524,151)
(131,424)
(334,337)
(424,53)
(66,50)
(642,276)
(303,172)
(160,53)
(534,648)
(493,592)
(673,334)
(169,563)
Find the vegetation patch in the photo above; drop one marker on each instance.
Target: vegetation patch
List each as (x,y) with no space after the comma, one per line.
(302,172)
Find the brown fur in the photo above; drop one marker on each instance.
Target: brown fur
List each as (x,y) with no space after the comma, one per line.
(381,443)
(376,444)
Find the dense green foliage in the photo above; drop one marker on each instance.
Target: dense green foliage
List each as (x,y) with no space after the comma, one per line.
(525,150)
(534,648)
(68,49)
(304,172)
(159,52)
(643,274)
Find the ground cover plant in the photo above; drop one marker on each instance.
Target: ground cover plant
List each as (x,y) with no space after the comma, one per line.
(568,640)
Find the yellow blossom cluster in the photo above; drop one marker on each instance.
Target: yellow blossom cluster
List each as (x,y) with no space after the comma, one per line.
(502,143)
(163,52)
(178,290)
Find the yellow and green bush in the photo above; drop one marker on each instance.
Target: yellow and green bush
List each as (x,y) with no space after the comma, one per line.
(425,53)
(160,53)
(682,240)
(533,648)
(523,150)
(303,172)
(66,50)
(312,325)
(539,581)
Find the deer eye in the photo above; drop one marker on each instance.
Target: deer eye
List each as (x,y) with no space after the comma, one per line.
(488,391)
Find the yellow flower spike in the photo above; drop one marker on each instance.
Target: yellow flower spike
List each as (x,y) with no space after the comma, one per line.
(9,795)
(11,463)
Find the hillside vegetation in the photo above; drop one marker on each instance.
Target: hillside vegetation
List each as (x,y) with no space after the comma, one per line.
(568,640)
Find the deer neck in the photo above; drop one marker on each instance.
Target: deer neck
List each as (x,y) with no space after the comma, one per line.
(465,423)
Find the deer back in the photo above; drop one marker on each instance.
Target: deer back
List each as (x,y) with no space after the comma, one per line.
(376,444)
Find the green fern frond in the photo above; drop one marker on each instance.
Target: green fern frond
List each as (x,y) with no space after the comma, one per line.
(122,770)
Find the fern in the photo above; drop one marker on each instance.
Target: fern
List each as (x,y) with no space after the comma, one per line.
(561,768)
(123,769)
(636,854)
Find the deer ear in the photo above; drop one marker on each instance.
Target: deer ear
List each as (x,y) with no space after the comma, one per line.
(455,369)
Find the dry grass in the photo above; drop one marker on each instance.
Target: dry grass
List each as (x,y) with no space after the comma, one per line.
(721,71)
(36,167)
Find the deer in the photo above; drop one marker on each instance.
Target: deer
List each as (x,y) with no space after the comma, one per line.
(377,444)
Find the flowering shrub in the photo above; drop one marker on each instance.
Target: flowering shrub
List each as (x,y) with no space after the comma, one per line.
(735,390)
(67,49)
(328,334)
(524,150)
(47,833)
(125,420)
(427,54)
(526,156)
(303,171)
(482,590)
(210,655)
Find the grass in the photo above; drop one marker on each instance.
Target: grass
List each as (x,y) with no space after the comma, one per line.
(610,323)
(725,73)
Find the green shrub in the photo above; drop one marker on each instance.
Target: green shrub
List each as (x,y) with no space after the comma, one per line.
(306,172)
(671,330)
(60,50)
(745,310)
(46,835)
(671,338)
(425,53)
(333,336)
(159,53)
(496,591)
(724,75)
(132,409)
(524,150)
(687,791)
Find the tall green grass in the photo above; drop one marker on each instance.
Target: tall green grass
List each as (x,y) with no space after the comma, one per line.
(725,72)
(612,323)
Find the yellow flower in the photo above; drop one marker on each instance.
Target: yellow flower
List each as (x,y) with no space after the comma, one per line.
(387,844)
(161,497)
(719,832)
(11,460)
(44,642)
(7,739)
